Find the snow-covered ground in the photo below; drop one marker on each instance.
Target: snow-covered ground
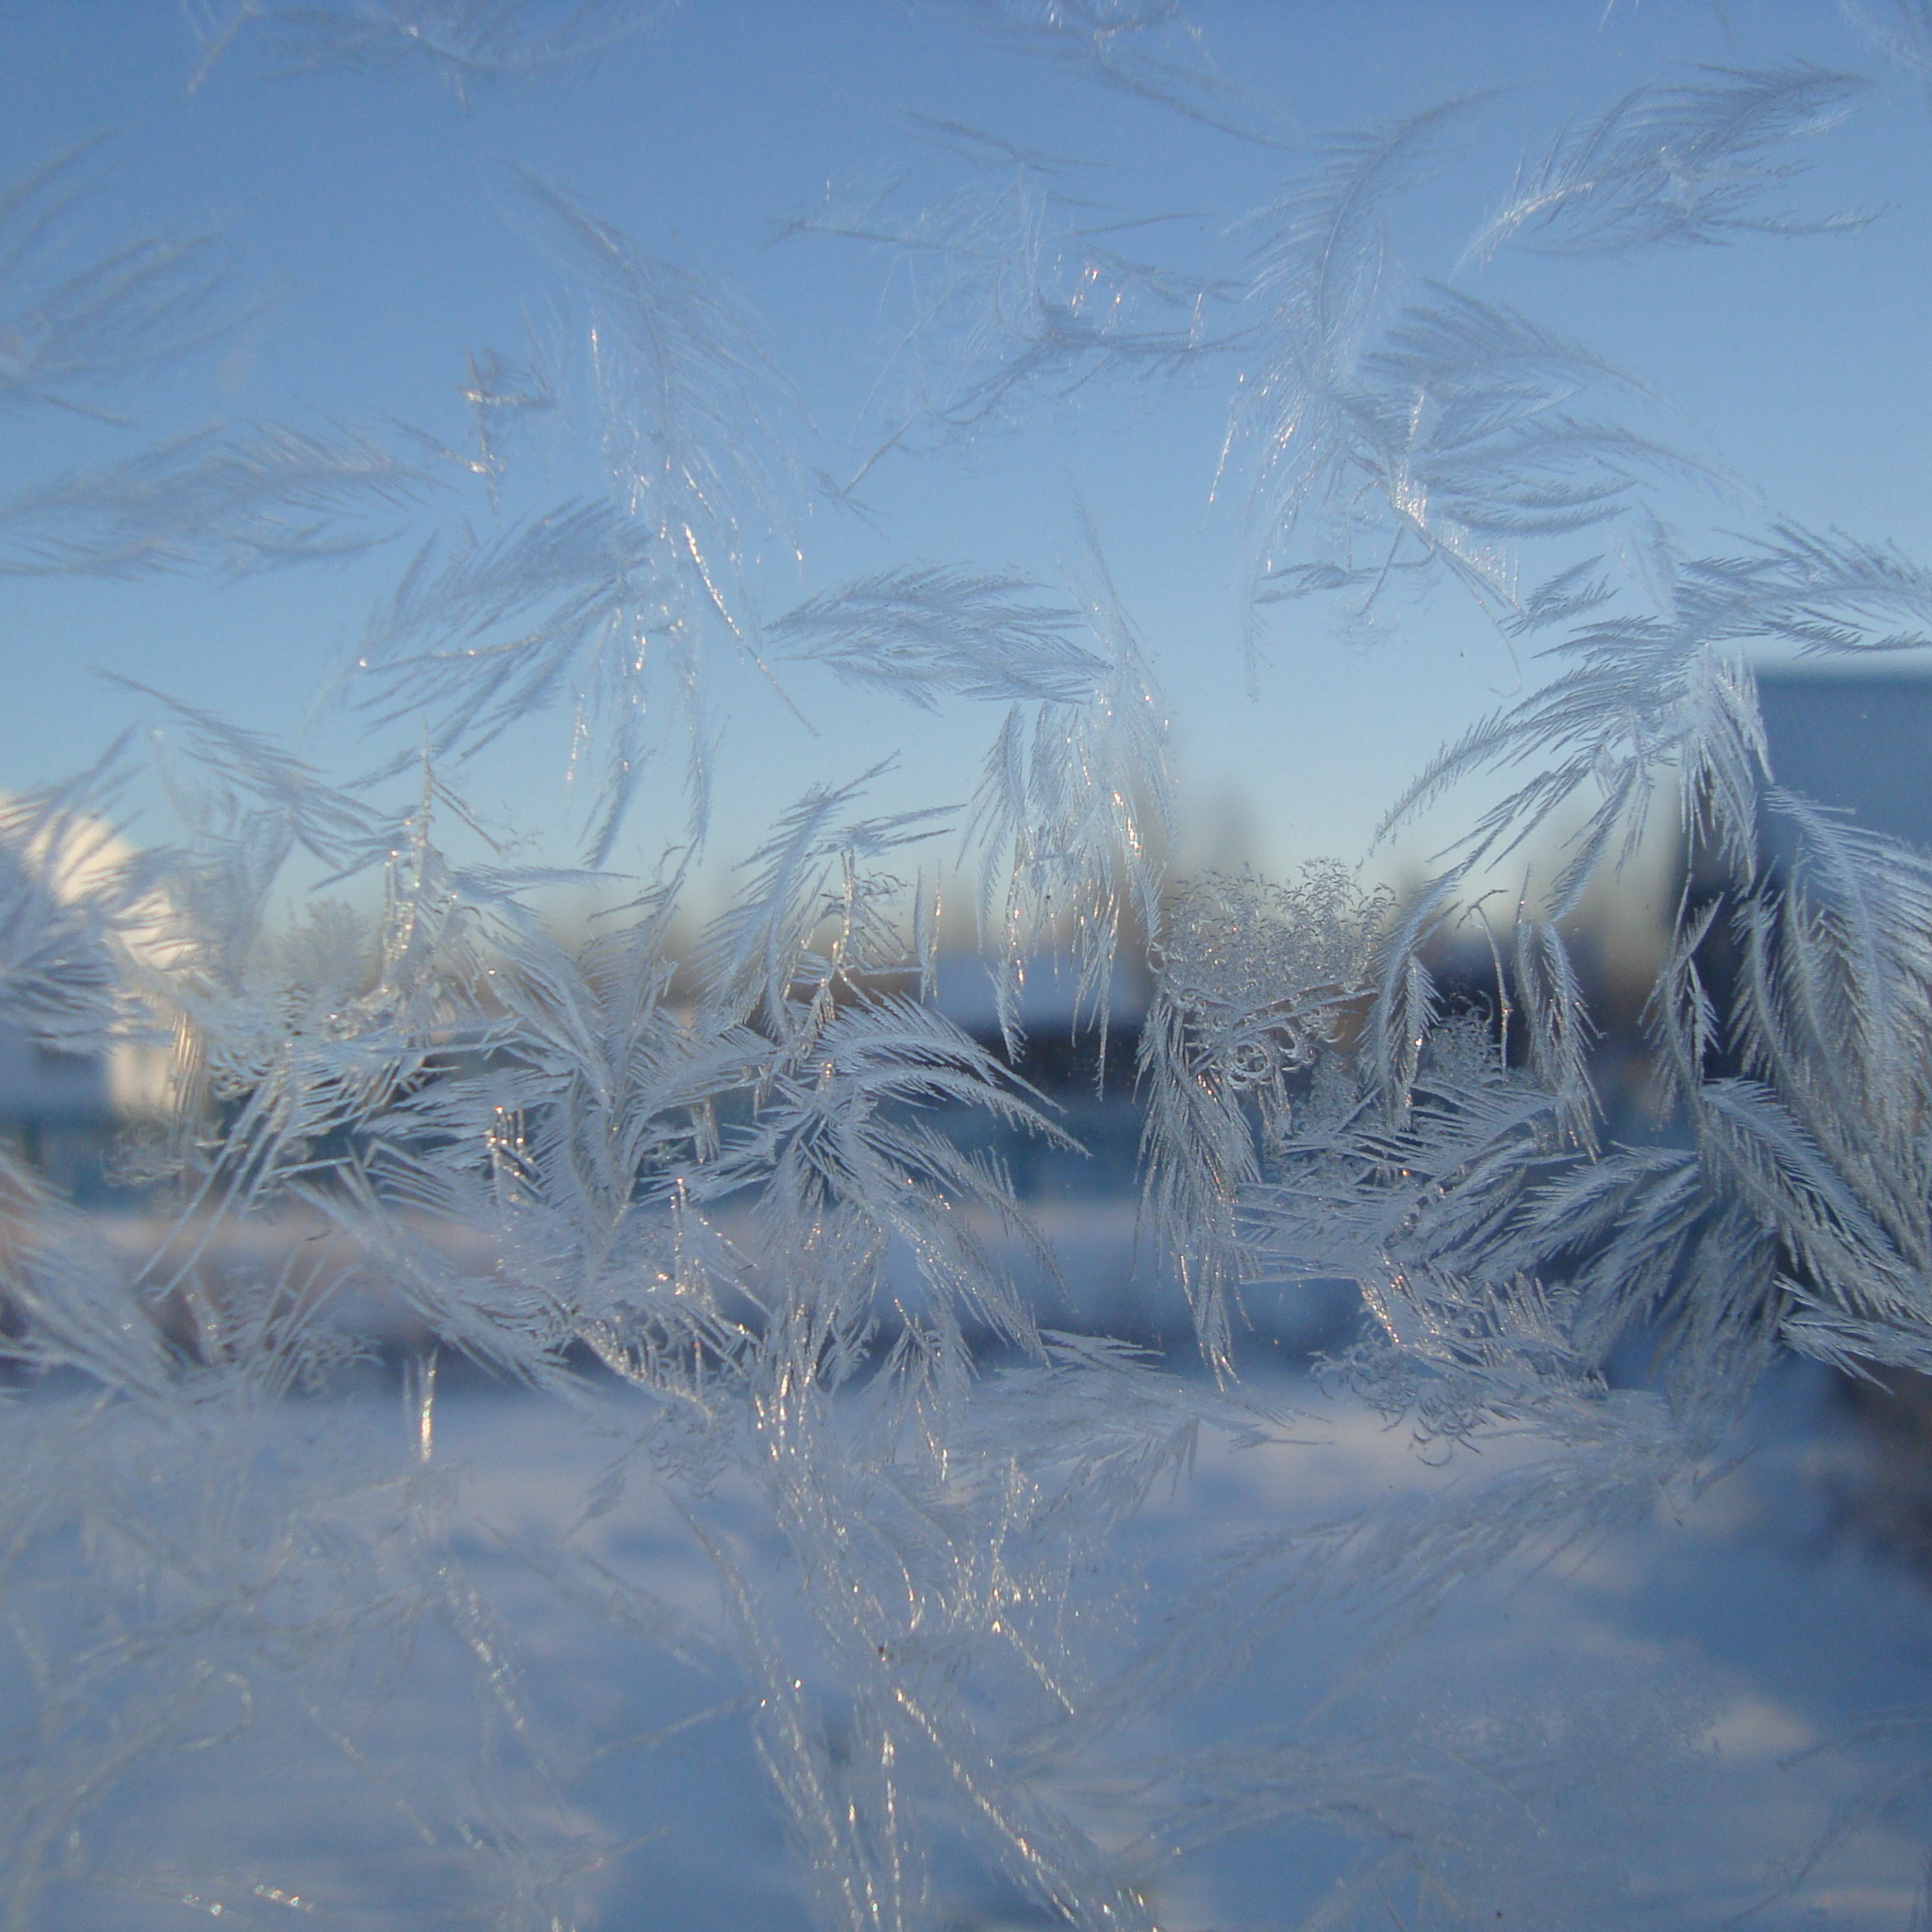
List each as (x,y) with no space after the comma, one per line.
(565,1703)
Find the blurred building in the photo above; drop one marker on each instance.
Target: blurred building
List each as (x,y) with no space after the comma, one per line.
(1861,742)
(68,1084)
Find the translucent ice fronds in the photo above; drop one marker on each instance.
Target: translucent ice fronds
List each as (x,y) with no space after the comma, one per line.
(1148,48)
(1319,275)
(1417,1767)
(1634,1236)
(231,500)
(1324,255)
(1393,1569)
(1798,1215)
(1463,430)
(1550,999)
(73,322)
(1414,1207)
(1643,697)
(239,1576)
(1900,29)
(1826,1141)
(697,420)
(571,1117)
(220,772)
(608,605)
(499,392)
(583,607)
(462,41)
(1697,162)
(928,629)
(718,1205)
(1405,1007)
(958,1684)
(1072,819)
(1070,816)
(1437,438)
(1644,701)
(1822,592)
(309,1038)
(836,1137)
(476,634)
(812,919)
(1255,981)
(69,1303)
(1012,286)
(1474,409)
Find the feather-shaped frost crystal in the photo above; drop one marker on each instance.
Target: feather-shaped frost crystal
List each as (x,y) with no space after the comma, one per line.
(1699,161)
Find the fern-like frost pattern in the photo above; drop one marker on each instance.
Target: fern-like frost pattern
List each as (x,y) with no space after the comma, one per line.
(708,1199)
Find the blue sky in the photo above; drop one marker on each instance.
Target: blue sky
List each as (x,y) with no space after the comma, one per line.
(374,233)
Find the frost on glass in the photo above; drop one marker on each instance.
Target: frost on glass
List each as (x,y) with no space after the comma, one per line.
(616,601)
(1018,284)
(696,1186)
(462,41)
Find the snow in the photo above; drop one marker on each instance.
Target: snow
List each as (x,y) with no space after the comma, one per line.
(638,1791)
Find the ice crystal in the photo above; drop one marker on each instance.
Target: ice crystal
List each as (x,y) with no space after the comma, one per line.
(236,500)
(1256,980)
(462,41)
(1145,47)
(1015,285)
(610,602)
(1688,164)
(1434,437)
(74,320)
